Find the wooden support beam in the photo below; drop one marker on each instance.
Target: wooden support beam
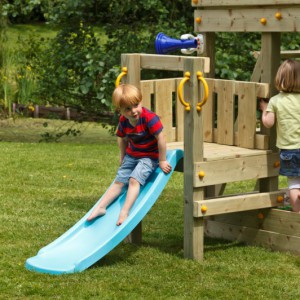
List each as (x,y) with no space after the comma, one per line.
(168,62)
(248,19)
(277,220)
(263,238)
(132,62)
(193,141)
(224,3)
(236,203)
(235,169)
(271,228)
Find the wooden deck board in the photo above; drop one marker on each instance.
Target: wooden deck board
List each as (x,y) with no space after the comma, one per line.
(213,151)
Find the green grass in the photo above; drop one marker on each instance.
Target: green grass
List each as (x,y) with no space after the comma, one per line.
(40,30)
(26,30)
(33,130)
(47,187)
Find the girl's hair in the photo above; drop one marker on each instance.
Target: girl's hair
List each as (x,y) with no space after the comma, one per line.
(126,95)
(288,77)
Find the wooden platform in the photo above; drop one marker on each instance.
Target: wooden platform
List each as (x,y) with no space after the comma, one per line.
(214,151)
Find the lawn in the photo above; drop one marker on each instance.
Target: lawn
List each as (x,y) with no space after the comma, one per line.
(48,187)
(42,30)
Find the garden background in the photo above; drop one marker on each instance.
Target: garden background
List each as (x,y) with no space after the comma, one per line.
(67,54)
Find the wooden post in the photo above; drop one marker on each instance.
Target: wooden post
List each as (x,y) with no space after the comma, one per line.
(209,51)
(132,62)
(193,152)
(133,65)
(36,111)
(270,61)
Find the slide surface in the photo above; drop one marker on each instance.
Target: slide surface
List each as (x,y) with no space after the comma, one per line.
(87,242)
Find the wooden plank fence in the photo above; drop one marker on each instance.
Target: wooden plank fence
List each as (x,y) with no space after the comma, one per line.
(61,113)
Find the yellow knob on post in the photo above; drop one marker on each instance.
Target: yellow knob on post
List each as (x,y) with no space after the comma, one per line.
(261,216)
(263,21)
(203,209)
(198,20)
(278,16)
(280,199)
(201,174)
(277,164)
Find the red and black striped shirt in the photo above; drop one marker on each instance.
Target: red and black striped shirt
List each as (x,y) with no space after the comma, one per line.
(141,137)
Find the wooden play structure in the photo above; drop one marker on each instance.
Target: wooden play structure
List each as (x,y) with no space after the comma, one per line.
(215,122)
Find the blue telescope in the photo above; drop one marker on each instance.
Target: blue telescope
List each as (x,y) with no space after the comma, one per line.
(187,44)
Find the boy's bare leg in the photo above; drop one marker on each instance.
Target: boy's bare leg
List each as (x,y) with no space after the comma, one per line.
(113,192)
(295,199)
(132,194)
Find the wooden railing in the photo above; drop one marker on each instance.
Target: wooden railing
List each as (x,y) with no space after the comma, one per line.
(229,115)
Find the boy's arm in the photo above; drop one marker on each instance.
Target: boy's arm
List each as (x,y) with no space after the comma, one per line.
(162,149)
(122,143)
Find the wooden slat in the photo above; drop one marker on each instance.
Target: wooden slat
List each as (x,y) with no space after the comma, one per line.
(246,114)
(225,111)
(163,105)
(147,89)
(261,141)
(236,169)
(236,203)
(168,62)
(285,222)
(179,115)
(263,238)
(213,151)
(281,221)
(224,3)
(248,19)
(208,112)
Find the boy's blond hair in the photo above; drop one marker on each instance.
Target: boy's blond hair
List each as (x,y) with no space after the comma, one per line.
(126,95)
(288,77)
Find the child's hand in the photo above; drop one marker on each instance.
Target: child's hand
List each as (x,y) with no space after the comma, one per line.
(165,166)
(263,105)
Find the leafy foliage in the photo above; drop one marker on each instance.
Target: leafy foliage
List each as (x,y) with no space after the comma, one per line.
(233,55)
(76,69)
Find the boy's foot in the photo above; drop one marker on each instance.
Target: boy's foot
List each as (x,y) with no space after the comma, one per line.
(97,212)
(122,217)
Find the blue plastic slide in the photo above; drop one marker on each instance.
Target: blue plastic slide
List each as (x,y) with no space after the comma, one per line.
(87,242)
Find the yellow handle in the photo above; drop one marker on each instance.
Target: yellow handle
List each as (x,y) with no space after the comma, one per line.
(187,76)
(124,72)
(205,97)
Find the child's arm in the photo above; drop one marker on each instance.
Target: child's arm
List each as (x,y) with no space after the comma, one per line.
(162,149)
(122,143)
(268,118)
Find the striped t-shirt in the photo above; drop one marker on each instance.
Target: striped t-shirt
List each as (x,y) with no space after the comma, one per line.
(141,137)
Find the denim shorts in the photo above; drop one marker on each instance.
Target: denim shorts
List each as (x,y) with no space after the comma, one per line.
(138,168)
(290,162)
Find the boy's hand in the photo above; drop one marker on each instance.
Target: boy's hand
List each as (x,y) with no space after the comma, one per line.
(165,166)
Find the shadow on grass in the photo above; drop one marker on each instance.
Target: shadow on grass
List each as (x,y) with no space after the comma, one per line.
(119,254)
(174,247)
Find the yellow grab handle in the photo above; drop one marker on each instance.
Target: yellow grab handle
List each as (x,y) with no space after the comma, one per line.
(124,72)
(205,97)
(187,76)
